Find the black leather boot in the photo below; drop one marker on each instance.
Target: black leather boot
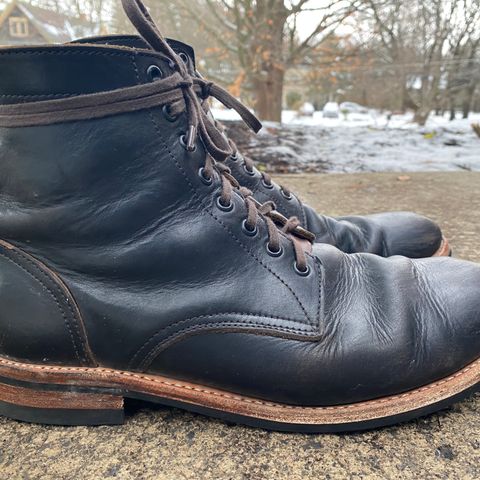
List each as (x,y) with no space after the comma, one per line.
(384,234)
(132,266)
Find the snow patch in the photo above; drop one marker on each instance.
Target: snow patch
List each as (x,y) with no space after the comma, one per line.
(372,142)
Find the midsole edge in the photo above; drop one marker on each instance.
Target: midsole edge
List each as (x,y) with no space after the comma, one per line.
(163,387)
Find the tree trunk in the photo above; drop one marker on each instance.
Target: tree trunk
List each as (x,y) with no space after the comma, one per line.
(451,104)
(268,92)
(468,100)
(428,94)
(452,113)
(421,115)
(403,89)
(267,67)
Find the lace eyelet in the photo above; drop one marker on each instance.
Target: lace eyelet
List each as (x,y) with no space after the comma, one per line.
(269,186)
(286,195)
(302,273)
(234,157)
(249,172)
(154,73)
(203,177)
(184,57)
(166,113)
(274,253)
(183,143)
(224,208)
(248,231)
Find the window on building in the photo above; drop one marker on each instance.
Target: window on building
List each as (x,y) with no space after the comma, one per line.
(18,26)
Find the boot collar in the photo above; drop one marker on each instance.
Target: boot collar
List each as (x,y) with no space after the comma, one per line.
(134,41)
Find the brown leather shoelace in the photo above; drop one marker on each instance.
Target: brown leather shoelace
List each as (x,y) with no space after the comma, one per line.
(180,92)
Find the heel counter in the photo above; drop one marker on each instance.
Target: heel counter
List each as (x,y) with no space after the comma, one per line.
(39,319)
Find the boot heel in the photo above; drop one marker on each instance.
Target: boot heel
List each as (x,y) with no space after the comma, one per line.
(60,407)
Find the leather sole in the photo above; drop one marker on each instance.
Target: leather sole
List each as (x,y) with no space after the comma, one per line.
(444,250)
(95,396)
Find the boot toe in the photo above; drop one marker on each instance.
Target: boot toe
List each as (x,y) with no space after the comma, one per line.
(385,234)
(395,325)
(408,234)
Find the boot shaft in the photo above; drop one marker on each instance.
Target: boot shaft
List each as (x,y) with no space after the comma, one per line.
(72,182)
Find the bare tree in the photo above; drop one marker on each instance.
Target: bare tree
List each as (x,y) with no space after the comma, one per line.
(95,11)
(425,41)
(463,56)
(382,24)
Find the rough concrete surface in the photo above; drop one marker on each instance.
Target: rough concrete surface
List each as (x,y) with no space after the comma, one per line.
(163,443)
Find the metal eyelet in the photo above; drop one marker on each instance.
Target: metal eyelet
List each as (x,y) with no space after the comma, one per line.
(274,253)
(224,208)
(235,157)
(302,273)
(166,113)
(183,143)
(203,177)
(154,73)
(184,57)
(286,195)
(247,230)
(269,186)
(249,172)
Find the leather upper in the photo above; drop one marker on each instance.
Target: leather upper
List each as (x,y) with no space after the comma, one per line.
(169,283)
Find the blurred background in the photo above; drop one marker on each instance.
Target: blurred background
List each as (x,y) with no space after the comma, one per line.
(343,85)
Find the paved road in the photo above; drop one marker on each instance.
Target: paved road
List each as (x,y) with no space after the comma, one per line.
(157,443)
